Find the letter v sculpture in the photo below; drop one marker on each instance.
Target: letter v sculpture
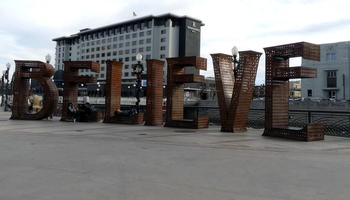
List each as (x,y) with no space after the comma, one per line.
(235,88)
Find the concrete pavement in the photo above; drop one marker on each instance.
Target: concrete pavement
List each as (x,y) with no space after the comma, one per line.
(53,160)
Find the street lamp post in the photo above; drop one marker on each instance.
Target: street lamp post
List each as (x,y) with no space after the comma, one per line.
(129,91)
(98,89)
(235,60)
(2,88)
(8,65)
(48,58)
(138,69)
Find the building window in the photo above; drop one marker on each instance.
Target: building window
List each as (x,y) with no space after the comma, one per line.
(331,56)
(126,67)
(127,44)
(115,46)
(162,48)
(121,37)
(331,79)
(127,36)
(121,45)
(109,54)
(148,40)
(133,51)
(162,40)
(148,48)
(149,24)
(102,75)
(103,41)
(163,31)
(149,32)
(162,56)
(115,39)
(127,51)
(309,93)
(126,74)
(148,57)
(141,41)
(140,49)
(142,34)
(332,94)
(114,53)
(133,43)
(127,59)
(134,35)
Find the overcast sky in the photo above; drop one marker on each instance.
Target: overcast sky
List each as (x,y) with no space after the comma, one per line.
(28,26)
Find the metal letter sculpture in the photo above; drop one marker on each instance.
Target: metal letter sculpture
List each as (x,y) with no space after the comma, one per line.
(154,99)
(278,74)
(71,80)
(113,96)
(235,91)
(113,88)
(42,73)
(175,92)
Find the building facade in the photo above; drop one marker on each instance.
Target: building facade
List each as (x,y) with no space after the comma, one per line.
(333,72)
(155,37)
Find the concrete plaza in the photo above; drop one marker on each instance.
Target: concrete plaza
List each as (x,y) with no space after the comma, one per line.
(53,160)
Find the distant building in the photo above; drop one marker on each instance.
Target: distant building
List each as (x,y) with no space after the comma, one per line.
(155,37)
(333,72)
(295,89)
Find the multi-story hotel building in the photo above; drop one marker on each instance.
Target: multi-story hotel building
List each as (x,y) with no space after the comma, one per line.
(155,37)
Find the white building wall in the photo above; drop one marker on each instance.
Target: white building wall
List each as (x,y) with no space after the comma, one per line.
(340,63)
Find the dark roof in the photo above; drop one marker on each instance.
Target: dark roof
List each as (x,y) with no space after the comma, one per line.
(133,21)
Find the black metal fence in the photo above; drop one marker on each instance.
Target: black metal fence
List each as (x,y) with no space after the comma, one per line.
(337,123)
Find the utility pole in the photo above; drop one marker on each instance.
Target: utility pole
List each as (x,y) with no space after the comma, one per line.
(8,65)
(2,88)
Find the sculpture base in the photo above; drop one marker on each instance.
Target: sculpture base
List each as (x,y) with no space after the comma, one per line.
(93,117)
(313,132)
(133,119)
(233,130)
(201,122)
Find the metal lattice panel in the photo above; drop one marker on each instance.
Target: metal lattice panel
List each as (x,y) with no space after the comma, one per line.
(113,88)
(42,73)
(235,91)
(278,74)
(154,99)
(71,80)
(175,93)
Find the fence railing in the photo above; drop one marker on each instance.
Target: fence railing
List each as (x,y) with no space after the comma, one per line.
(337,123)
